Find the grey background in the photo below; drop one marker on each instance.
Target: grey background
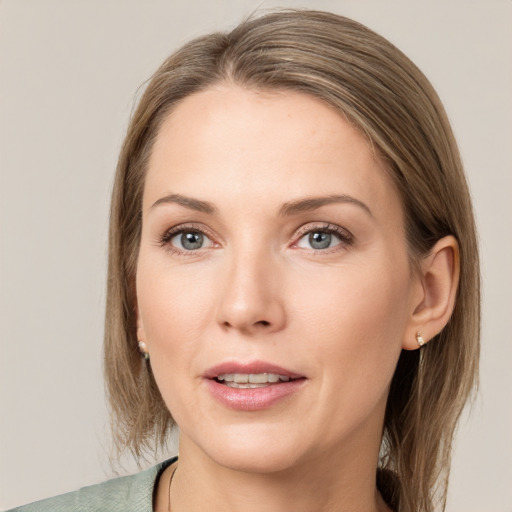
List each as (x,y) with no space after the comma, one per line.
(69,73)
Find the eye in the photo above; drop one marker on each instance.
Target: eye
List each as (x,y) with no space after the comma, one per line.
(189,241)
(185,240)
(319,238)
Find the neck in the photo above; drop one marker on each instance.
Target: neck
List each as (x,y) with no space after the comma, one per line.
(322,483)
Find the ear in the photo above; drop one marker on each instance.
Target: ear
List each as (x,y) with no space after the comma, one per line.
(434,296)
(141,334)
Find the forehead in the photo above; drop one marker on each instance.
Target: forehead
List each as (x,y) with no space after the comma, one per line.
(271,145)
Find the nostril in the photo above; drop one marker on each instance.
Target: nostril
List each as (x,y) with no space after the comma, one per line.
(263,322)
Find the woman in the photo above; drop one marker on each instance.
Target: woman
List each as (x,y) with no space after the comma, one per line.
(293,253)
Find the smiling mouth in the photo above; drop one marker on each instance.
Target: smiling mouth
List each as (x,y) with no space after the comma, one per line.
(252,386)
(252,380)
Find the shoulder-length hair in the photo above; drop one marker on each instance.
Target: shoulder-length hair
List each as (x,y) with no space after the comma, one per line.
(378,89)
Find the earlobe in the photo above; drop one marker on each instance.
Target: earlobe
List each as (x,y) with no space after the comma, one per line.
(140,327)
(438,279)
(141,337)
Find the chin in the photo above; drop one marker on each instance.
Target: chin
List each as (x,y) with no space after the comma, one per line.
(252,449)
(263,461)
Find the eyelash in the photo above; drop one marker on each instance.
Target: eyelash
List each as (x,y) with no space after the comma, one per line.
(345,237)
(177,230)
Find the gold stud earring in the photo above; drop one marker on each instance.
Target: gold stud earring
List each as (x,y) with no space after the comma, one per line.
(144,350)
(419,339)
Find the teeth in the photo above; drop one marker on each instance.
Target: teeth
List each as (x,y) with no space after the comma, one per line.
(253,379)
(247,385)
(258,378)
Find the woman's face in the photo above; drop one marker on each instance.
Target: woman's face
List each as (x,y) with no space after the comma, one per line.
(273,252)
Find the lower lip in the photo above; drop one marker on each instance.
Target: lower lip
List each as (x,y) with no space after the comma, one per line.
(253,399)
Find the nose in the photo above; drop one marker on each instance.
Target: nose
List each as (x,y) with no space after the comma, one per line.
(251,300)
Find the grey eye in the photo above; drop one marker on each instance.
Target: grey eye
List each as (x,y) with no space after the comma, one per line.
(320,240)
(188,241)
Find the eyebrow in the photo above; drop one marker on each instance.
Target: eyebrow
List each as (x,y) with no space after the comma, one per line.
(186,202)
(313,203)
(289,208)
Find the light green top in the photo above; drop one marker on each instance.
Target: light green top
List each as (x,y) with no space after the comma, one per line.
(126,494)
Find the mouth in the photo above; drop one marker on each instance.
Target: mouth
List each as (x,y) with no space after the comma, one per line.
(252,380)
(252,386)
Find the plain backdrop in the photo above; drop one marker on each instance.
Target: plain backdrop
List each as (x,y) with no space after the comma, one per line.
(69,73)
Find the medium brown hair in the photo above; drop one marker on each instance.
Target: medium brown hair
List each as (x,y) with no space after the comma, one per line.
(378,89)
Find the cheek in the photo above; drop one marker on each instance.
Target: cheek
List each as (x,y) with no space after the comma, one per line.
(173,308)
(353,323)
(357,315)
(172,305)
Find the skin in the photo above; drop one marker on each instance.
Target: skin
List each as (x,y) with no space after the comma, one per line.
(257,290)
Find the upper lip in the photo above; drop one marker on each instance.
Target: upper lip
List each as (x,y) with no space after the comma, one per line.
(250,367)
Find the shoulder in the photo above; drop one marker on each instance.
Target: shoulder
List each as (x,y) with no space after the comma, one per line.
(132,493)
